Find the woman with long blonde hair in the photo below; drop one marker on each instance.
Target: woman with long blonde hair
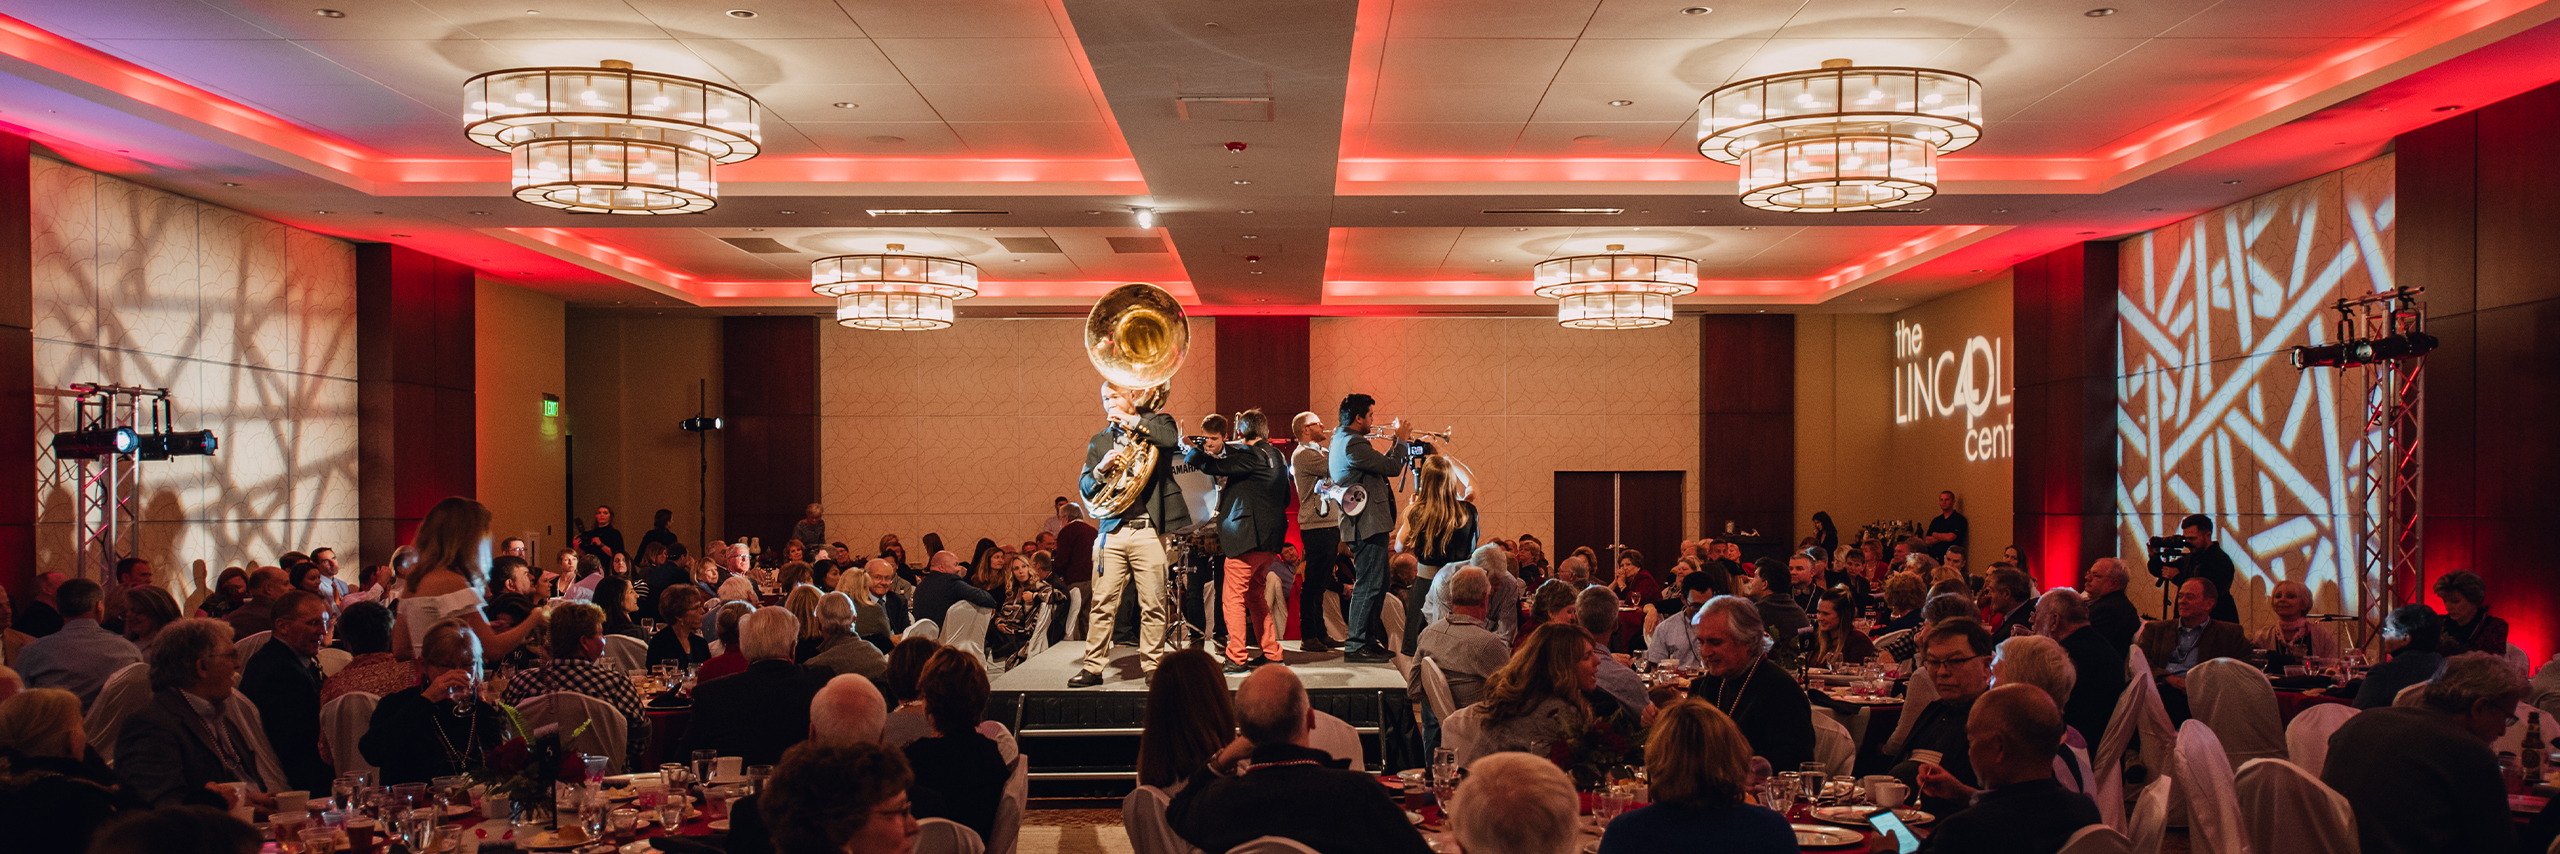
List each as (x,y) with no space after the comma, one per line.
(1537,698)
(802,602)
(453,554)
(1438,528)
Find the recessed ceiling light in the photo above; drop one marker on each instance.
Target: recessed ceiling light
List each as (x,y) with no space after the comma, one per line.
(1493,260)
(1622,102)
(1261,299)
(2230,182)
(1395,212)
(1092,213)
(1750,228)
(1696,10)
(1519,229)
(1240,182)
(533,11)
(230,184)
(786,213)
(1244,212)
(742,13)
(328,13)
(319,212)
(844,105)
(1253,237)
(479,213)
(1254,272)
(1899,10)
(2100,12)
(1999,210)
(1021,260)
(755,229)
(984,228)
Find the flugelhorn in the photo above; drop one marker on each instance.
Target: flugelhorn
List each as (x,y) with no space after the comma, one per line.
(1136,336)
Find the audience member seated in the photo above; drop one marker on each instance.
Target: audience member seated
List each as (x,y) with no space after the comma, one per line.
(2008,602)
(283,679)
(763,710)
(2293,638)
(50,798)
(173,750)
(177,830)
(2425,778)
(2468,625)
(881,613)
(1520,804)
(130,574)
(942,585)
(257,613)
(679,640)
(1268,782)
(1699,768)
(2098,667)
(1188,719)
(1595,610)
(848,710)
(1772,588)
(576,637)
(79,656)
(802,604)
(230,590)
(2012,738)
(2410,638)
(955,760)
(1538,698)
(1029,596)
(907,720)
(1674,640)
(838,651)
(2111,612)
(1466,653)
(731,659)
(2195,637)
(447,705)
(1551,605)
(1836,639)
(620,600)
(1741,682)
(839,798)
(2037,661)
(12,641)
(1903,594)
(147,610)
(41,615)
(365,632)
(503,613)
(1956,655)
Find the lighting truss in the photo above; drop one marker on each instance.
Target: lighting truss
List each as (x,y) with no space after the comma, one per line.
(2384,337)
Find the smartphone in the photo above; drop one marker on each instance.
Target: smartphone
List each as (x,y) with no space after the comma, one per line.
(1885,821)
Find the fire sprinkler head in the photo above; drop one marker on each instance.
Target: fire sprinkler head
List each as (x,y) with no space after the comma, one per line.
(1235,148)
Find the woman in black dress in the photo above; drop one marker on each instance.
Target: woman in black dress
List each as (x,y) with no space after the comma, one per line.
(441,727)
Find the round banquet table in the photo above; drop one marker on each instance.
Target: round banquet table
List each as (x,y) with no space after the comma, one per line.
(666,736)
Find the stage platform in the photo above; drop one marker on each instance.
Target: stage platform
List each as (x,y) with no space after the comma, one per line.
(1083,742)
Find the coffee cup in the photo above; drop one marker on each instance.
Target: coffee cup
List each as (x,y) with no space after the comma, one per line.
(293,801)
(359,833)
(730,768)
(1929,757)
(1867,784)
(1891,795)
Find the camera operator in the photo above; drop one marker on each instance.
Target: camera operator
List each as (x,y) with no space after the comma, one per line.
(2203,558)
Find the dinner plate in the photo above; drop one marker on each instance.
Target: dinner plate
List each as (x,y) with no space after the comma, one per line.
(1858,815)
(459,809)
(1825,836)
(1412,817)
(639,847)
(551,840)
(720,824)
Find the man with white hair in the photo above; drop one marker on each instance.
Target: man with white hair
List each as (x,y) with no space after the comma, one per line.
(2110,611)
(2063,615)
(1762,700)
(1268,782)
(839,651)
(2425,777)
(1517,804)
(1466,654)
(762,710)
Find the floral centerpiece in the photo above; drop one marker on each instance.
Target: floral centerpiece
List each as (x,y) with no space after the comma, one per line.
(527,766)
(1588,752)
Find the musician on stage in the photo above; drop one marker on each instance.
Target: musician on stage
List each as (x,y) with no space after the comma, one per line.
(1356,462)
(1319,528)
(1253,523)
(1131,550)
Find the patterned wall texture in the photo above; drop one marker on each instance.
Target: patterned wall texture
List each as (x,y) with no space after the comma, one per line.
(251,326)
(967,431)
(2211,416)
(1528,398)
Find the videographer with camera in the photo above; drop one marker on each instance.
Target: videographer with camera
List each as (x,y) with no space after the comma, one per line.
(2196,554)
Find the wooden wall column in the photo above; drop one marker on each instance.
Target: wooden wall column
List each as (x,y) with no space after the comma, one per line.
(2065,472)
(1747,425)
(769,432)
(415,391)
(1262,361)
(17,369)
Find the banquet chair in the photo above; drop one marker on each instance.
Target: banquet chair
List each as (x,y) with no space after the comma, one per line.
(2097,839)
(245,719)
(606,736)
(2238,702)
(2307,738)
(1142,816)
(1007,747)
(1272,845)
(344,721)
(944,836)
(2408,697)
(1337,738)
(624,653)
(250,645)
(2518,660)
(1435,688)
(1392,614)
(964,628)
(1916,695)
(2150,821)
(1461,730)
(2204,776)
(1038,642)
(2286,810)
(1075,614)
(1832,745)
(1335,625)
(332,659)
(126,691)
(1017,797)
(2138,710)
(923,629)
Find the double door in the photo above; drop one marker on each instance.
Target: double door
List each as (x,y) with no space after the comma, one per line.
(1610,511)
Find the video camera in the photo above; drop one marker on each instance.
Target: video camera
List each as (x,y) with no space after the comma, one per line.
(2165,551)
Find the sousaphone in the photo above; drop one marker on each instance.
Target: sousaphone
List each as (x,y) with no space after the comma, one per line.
(1137,337)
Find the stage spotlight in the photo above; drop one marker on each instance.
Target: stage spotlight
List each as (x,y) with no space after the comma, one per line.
(92,444)
(2365,352)
(194,443)
(698,424)
(2319,356)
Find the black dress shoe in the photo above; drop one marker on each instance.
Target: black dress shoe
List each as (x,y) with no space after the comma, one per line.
(1369,656)
(1318,645)
(1234,669)
(1085,679)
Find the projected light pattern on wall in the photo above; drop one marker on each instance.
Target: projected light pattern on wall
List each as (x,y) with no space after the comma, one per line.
(2212,418)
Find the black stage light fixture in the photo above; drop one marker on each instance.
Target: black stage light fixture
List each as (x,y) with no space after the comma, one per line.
(2320,356)
(698,424)
(92,444)
(2365,352)
(193,443)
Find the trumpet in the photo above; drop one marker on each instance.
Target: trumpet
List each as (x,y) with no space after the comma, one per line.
(1438,438)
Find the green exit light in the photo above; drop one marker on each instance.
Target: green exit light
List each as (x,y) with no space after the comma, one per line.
(550,407)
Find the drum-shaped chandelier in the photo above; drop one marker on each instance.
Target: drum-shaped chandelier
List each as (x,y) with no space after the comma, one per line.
(1840,138)
(612,140)
(1616,290)
(892,290)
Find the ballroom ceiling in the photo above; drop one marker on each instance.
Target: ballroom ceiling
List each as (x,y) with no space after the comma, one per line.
(1389,145)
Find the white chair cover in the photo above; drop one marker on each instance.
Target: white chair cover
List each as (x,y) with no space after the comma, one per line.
(1335,625)
(1272,845)
(1142,815)
(128,690)
(569,709)
(1275,600)
(1435,688)
(2097,839)
(944,836)
(624,653)
(2408,697)
(250,645)
(2076,775)
(333,659)
(2204,775)
(244,715)
(1006,746)
(1392,614)
(2138,711)
(1335,736)
(1832,745)
(964,628)
(1461,731)
(1017,797)
(344,720)
(1075,613)
(2518,660)
(1917,694)
(923,629)
(2288,811)
(2150,821)
(1039,641)
(2306,740)
(2238,702)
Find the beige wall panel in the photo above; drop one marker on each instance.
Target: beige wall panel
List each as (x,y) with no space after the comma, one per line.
(519,355)
(629,380)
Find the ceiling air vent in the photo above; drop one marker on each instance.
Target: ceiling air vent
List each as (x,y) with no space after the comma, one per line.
(932,212)
(760,245)
(1588,211)
(1031,246)
(1137,245)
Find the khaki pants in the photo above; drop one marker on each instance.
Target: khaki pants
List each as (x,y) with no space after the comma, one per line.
(1120,558)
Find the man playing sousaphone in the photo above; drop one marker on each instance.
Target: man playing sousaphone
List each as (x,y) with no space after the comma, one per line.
(1137,338)
(1253,522)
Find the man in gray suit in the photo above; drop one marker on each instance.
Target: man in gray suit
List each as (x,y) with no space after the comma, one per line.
(1357,463)
(1253,523)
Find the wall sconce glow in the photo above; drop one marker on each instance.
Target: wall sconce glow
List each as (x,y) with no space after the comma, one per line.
(1616,290)
(1840,138)
(611,139)
(894,291)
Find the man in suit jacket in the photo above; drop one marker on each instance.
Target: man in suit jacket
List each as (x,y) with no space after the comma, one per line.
(266,583)
(2175,646)
(1253,523)
(2063,614)
(1355,462)
(172,747)
(1131,550)
(2110,612)
(284,680)
(763,710)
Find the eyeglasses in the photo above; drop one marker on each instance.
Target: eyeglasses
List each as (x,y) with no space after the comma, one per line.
(1947,663)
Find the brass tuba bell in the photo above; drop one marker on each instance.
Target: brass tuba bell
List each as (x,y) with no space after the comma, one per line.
(1136,336)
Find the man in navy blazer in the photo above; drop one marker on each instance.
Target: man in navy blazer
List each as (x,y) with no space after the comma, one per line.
(1355,462)
(1253,523)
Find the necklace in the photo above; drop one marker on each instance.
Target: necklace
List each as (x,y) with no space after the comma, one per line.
(471,727)
(1750,670)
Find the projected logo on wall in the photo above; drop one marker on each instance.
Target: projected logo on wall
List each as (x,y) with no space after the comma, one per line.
(1964,379)
(2210,416)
